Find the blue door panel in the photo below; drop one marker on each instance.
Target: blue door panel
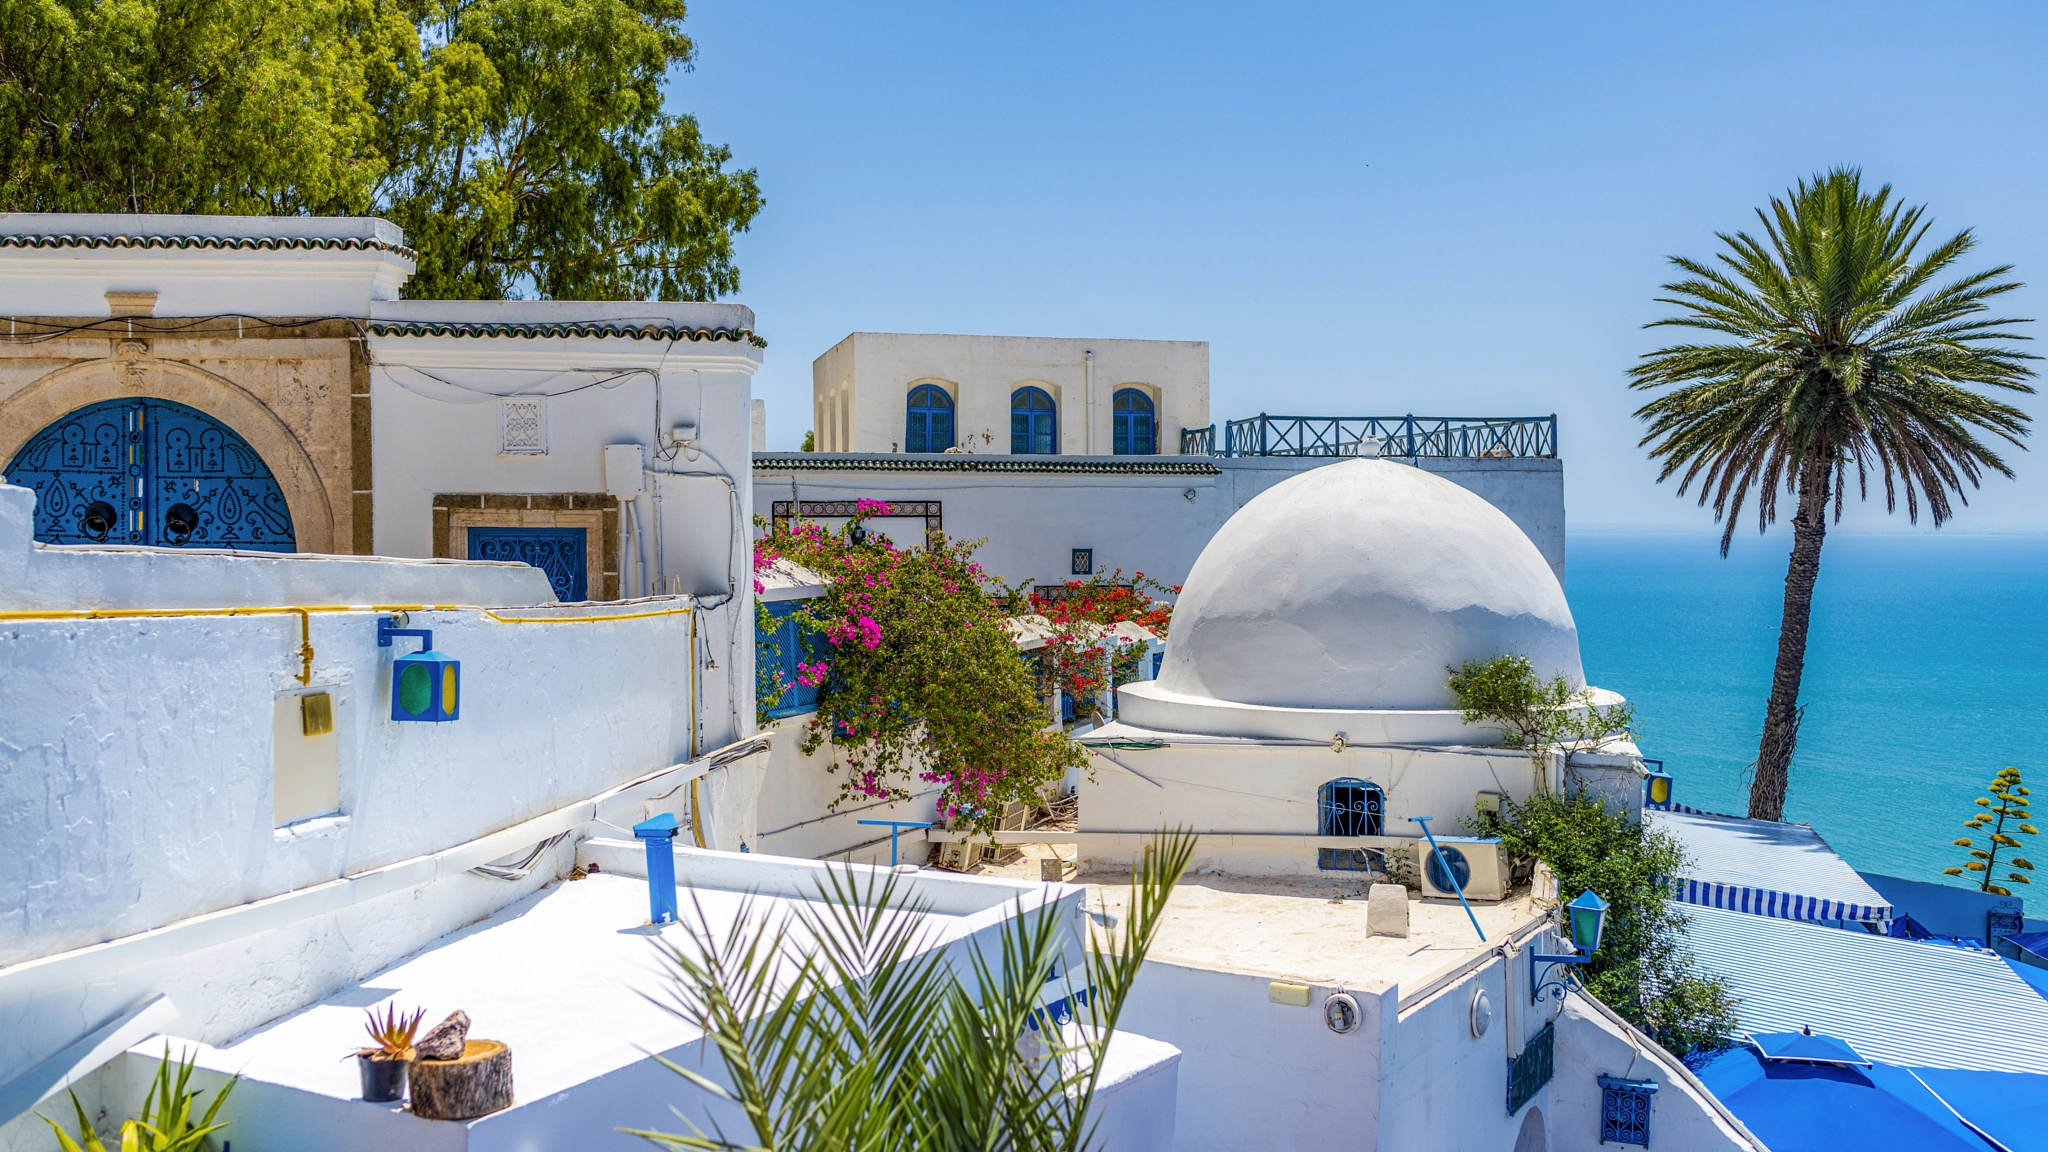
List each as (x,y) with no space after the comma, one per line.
(151,472)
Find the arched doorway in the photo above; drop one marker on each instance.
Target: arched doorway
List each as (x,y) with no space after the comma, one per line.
(151,472)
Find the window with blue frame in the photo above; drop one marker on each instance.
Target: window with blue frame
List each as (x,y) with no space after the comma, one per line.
(928,427)
(1350,807)
(1034,423)
(780,646)
(1136,432)
(1625,1110)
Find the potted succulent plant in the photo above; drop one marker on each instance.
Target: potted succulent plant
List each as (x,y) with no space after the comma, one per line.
(384,1065)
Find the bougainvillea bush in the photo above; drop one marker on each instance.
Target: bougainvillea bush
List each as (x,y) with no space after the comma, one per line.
(1077,658)
(921,682)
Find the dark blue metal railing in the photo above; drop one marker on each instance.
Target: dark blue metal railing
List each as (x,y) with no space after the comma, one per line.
(1472,437)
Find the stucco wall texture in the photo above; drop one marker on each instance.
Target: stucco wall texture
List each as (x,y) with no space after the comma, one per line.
(135,764)
(1151,523)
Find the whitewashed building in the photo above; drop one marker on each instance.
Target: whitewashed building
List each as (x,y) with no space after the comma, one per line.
(1008,395)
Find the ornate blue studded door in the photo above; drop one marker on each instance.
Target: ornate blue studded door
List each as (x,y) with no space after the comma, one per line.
(559,552)
(151,472)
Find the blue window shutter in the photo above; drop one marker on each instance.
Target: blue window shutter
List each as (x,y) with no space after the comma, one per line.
(792,646)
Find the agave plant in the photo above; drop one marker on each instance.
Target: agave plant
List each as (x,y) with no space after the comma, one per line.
(393,1032)
(894,1047)
(165,1124)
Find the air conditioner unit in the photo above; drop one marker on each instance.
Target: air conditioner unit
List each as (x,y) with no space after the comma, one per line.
(1477,862)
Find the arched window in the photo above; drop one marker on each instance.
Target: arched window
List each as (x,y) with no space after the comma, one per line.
(1137,433)
(1350,807)
(1034,423)
(929,425)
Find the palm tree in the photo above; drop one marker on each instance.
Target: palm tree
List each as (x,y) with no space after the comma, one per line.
(1843,359)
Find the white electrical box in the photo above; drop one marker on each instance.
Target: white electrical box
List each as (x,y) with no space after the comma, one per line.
(683,432)
(624,468)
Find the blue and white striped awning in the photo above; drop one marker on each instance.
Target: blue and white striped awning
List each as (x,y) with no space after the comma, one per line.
(1766,868)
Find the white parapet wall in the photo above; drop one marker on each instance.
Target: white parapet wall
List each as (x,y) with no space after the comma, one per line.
(151,744)
(1151,514)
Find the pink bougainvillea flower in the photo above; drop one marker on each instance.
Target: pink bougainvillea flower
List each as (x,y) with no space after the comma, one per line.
(864,507)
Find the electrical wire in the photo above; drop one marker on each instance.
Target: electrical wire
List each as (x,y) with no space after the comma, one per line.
(526,864)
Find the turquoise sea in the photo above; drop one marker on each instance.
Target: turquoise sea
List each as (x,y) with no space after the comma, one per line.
(1926,671)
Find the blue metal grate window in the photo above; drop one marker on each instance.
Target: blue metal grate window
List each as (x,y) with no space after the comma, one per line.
(559,552)
(1530,1071)
(1136,433)
(928,427)
(1034,423)
(1350,807)
(1625,1110)
(783,646)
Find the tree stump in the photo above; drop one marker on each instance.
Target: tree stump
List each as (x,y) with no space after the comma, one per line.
(474,1084)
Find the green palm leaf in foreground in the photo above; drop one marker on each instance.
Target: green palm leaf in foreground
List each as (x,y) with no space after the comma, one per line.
(1843,359)
(856,1039)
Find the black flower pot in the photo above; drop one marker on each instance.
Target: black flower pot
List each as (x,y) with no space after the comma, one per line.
(383,1080)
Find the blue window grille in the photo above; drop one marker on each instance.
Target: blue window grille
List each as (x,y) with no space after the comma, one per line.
(1350,807)
(1530,1071)
(151,472)
(782,646)
(559,552)
(1625,1110)
(929,424)
(1136,433)
(1034,423)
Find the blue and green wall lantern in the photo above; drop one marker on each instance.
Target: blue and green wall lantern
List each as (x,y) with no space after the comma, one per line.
(1656,785)
(425,686)
(1586,920)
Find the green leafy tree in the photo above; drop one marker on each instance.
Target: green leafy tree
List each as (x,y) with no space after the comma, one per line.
(1533,713)
(1843,359)
(1643,969)
(197,106)
(531,151)
(895,1047)
(2008,801)
(522,144)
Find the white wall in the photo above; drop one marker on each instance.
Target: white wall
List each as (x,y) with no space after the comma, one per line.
(1243,787)
(436,421)
(797,816)
(136,780)
(1136,521)
(195,279)
(1255,1074)
(1590,1044)
(860,387)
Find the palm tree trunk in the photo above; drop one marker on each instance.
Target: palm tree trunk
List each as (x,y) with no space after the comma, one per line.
(1781,715)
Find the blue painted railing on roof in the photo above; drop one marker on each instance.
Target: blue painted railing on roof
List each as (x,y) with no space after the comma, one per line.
(1468,437)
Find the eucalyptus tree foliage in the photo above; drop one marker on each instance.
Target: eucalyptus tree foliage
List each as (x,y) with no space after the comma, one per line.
(901,1048)
(1843,359)
(522,144)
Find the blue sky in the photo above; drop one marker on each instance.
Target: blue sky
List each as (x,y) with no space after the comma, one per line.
(1364,209)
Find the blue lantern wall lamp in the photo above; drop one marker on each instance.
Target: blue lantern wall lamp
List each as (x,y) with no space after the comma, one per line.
(1587,919)
(1656,785)
(425,686)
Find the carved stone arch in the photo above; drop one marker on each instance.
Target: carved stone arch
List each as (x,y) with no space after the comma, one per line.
(68,389)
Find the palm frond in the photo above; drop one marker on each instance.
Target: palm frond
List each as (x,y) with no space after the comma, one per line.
(1845,354)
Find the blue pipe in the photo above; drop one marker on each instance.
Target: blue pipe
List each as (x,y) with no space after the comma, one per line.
(1455,886)
(895,827)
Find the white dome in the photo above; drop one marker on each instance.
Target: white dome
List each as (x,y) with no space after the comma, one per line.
(1355,586)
